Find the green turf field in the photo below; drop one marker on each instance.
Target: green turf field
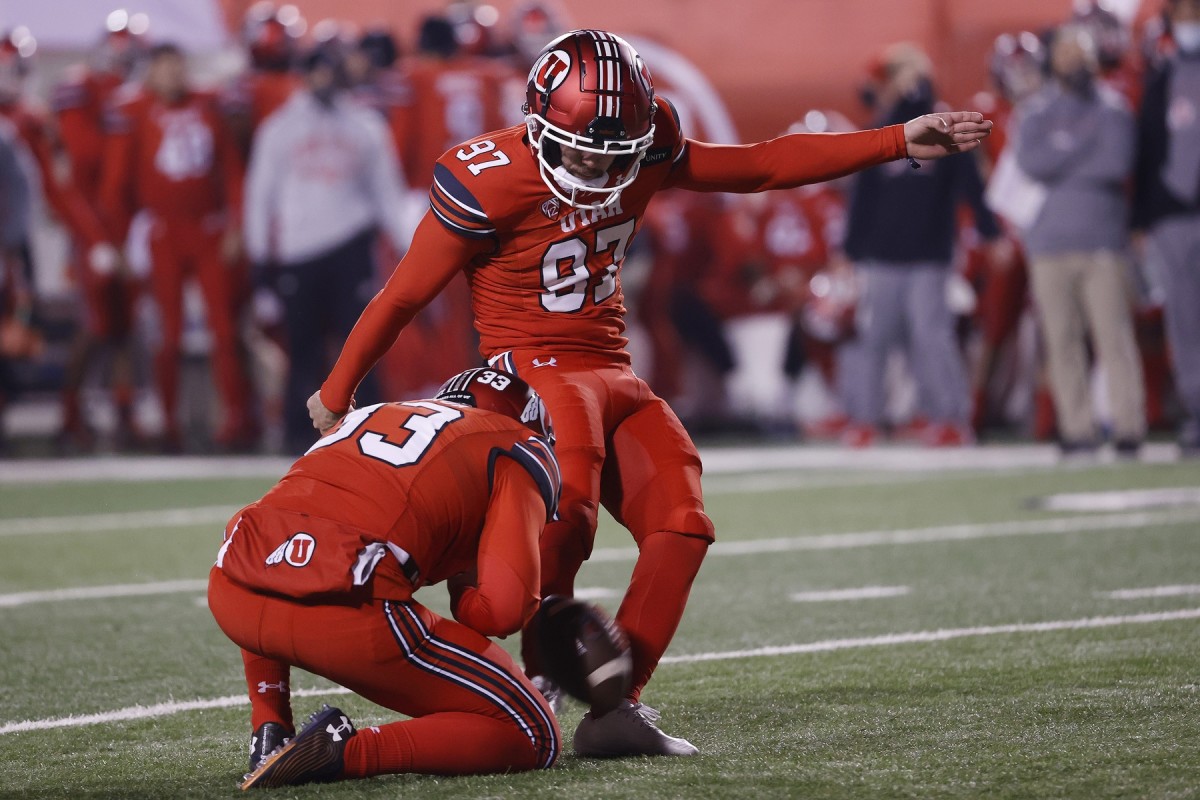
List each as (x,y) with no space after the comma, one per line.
(993,660)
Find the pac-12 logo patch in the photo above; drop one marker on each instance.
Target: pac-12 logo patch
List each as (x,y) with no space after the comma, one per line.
(297,550)
(551,208)
(550,70)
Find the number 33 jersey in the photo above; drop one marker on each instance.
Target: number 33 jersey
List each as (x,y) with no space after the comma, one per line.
(548,275)
(398,496)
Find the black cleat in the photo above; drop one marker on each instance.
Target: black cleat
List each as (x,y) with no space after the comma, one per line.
(269,737)
(314,755)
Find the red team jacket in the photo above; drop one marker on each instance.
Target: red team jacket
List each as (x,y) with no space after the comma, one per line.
(544,275)
(401,495)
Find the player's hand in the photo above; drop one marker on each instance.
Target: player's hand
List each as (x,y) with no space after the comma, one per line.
(945,133)
(322,418)
(104,259)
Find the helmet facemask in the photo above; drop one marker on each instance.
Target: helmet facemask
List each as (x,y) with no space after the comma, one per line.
(547,142)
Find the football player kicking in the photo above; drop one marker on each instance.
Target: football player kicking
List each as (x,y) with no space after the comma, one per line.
(540,216)
(320,574)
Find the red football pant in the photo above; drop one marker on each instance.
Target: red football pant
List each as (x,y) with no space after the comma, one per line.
(179,248)
(474,712)
(620,445)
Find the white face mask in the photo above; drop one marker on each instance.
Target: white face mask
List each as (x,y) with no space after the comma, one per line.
(1187,36)
(568,181)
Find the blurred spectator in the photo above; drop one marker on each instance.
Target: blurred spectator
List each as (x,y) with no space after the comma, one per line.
(688,238)
(764,293)
(1167,202)
(16,300)
(323,178)
(532,25)
(107,289)
(170,160)
(270,35)
(1002,285)
(454,96)
(900,236)
(1076,136)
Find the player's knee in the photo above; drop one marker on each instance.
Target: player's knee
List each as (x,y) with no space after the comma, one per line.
(690,521)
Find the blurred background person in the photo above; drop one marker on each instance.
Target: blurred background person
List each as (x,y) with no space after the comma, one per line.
(106,332)
(671,286)
(170,159)
(1167,203)
(270,37)
(17,339)
(1076,137)
(323,179)
(1016,70)
(901,232)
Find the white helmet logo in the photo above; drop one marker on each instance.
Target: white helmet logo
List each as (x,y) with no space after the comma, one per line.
(550,70)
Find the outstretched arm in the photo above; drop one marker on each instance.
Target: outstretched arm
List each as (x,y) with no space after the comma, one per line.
(434,257)
(802,158)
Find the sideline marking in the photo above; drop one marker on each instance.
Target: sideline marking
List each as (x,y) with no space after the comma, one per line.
(829,541)
(887,640)
(1180,590)
(829,645)
(120,521)
(942,533)
(863,593)
(102,592)
(1173,497)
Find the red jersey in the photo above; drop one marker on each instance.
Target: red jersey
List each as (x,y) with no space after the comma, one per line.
(176,160)
(448,101)
(788,238)
(546,275)
(79,106)
(402,495)
(63,197)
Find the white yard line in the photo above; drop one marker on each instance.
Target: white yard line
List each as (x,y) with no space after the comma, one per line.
(717,460)
(1183,590)
(829,645)
(119,521)
(862,593)
(830,541)
(102,592)
(916,637)
(1122,501)
(944,533)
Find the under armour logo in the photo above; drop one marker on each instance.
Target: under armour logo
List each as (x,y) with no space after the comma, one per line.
(537,362)
(263,686)
(335,731)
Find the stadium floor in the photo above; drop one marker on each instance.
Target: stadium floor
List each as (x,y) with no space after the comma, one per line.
(885,623)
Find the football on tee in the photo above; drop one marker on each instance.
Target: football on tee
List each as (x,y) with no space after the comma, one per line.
(584,651)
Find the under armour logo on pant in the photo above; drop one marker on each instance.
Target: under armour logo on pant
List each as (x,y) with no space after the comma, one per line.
(281,687)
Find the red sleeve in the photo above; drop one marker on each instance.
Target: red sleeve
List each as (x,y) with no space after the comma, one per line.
(65,198)
(433,258)
(786,162)
(508,566)
(116,182)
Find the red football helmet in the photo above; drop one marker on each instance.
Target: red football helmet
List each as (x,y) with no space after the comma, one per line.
(494,390)
(16,51)
(589,90)
(271,34)
(123,44)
